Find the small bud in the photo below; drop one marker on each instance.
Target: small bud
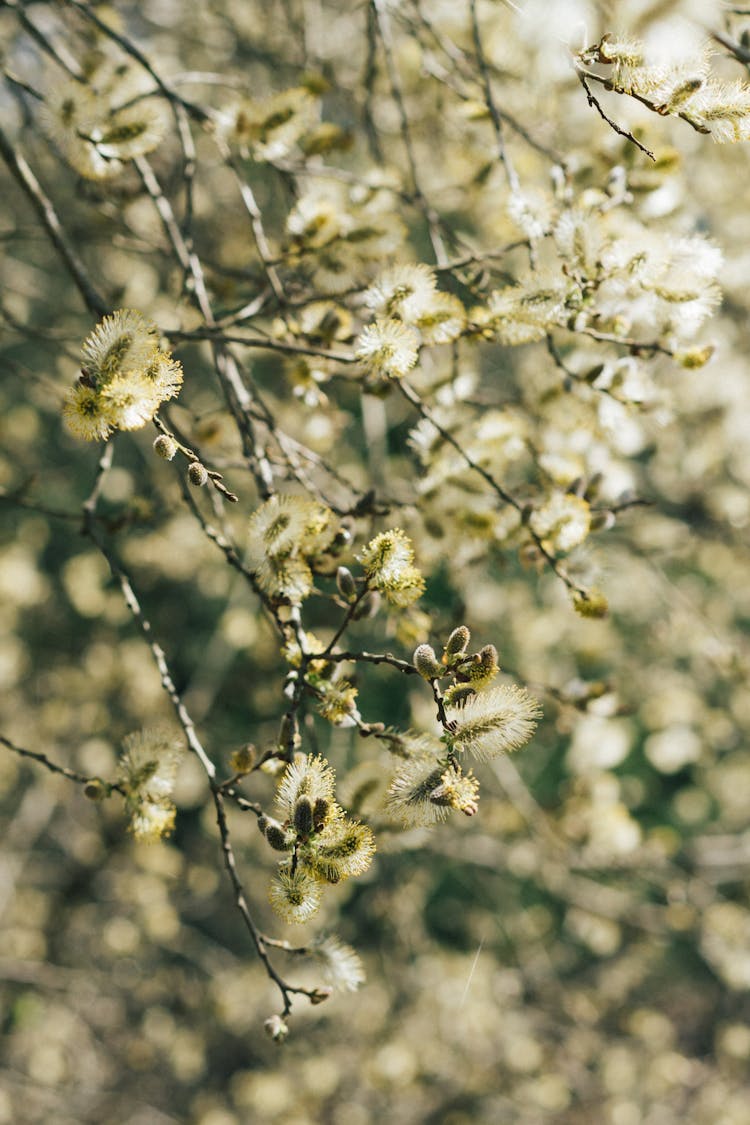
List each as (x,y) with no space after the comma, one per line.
(694,357)
(303,816)
(288,734)
(590,603)
(96,790)
(273,763)
(345,584)
(602,521)
(276,1029)
(165,447)
(243,760)
(320,812)
(457,694)
(342,539)
(483,667)
(592,488)
(680,95)
(263,822)
(197,474)
(458,642)
(426,662)
(368,607)
(276,836)
(319,995)
(368,729)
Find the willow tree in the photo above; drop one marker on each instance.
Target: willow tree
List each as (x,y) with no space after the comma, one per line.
(370,348)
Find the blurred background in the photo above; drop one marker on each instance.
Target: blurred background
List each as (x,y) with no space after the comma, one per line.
(579,952)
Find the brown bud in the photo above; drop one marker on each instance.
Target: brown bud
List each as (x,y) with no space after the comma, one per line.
(319,995)
(303,816)
(276,836)
(457,694)
(165,447)
(426,662)
(197,474)
(276,1029)
(243,760)
(96,790)
(320,812)
(288,734)
(458,642)
(368,607)
(345,584)
(602,521)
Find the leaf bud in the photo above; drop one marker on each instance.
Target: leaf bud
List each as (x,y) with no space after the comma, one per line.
(426,662)
(197,474)
(165,447)
(590,603)
(276,836)
(319,995)
(303,816)
(320,811)
(458,642)
(457,694)
(96,790)
(276,1029)
(366,730)
(288,734)
(680,95)
(602,521)
(694,357)
(484,665)
(243,760)
(592,488)
(368,607)
(345,584)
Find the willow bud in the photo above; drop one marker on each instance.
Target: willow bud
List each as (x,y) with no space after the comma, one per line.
(345,584)
(288,734)
(320,812)
(243,760)
(602,521)
(276,836)
(483,667)
(276,1029)
(165,447)
(457,694)
(458,642)
(426,662)
(96,790)
(303,816)
(590,603)
(197,474)
(318,995)
(368,607)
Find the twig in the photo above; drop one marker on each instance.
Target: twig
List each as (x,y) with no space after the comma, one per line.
(497,124)
(594,103)
(52,225)
(53,767)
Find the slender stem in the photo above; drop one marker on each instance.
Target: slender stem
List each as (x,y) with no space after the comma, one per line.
(54,767)
(44,208)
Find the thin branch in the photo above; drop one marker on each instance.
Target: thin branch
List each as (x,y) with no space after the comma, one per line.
(54,767)
(594,103)
(497,124)
(44,208)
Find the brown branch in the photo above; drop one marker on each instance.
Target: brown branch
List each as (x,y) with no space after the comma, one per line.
(53,767)
(594,103)
(44,208)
